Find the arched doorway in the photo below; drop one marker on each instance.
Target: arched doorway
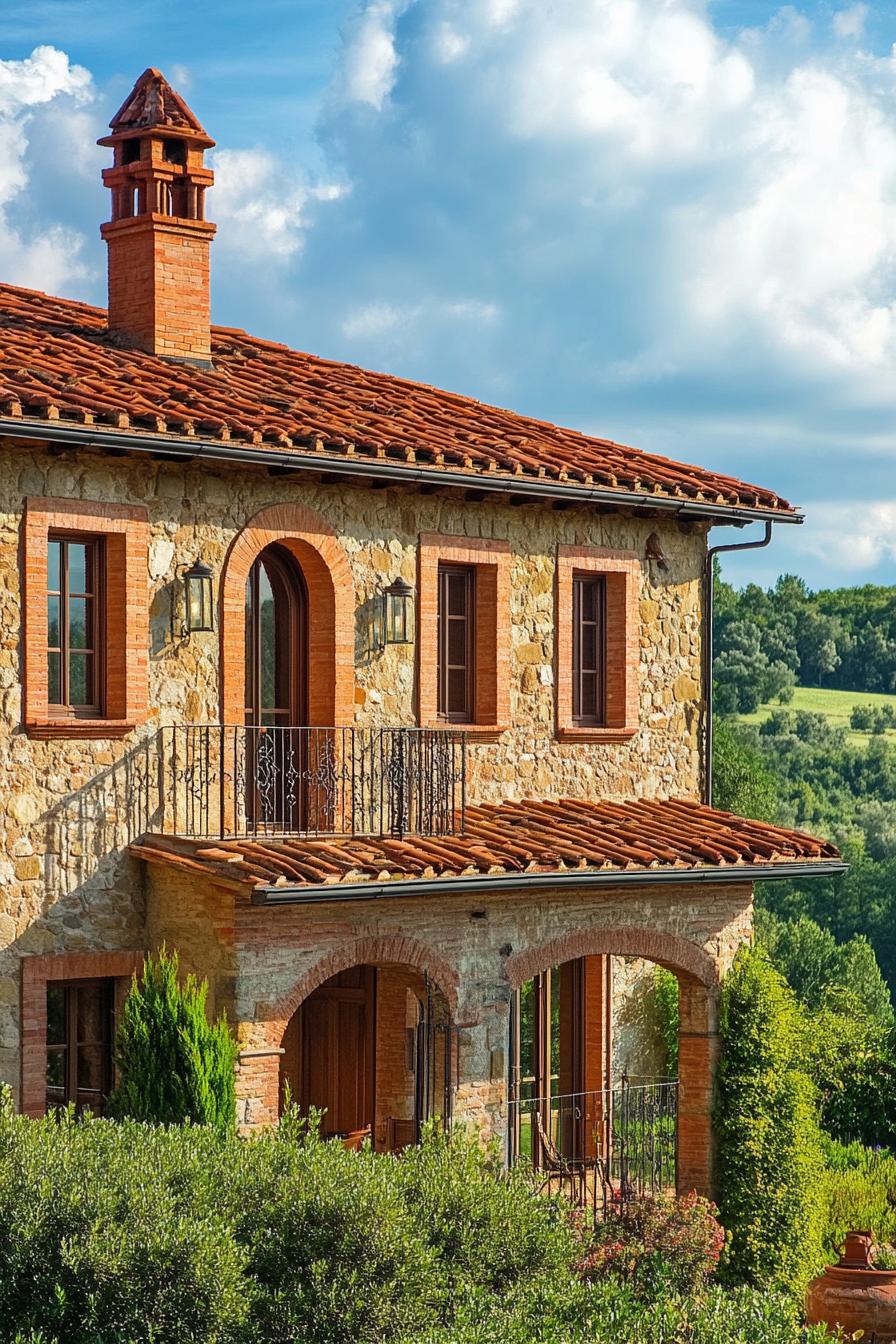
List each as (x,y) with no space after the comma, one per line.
(276,641)
(276,686)
(370,1048)
(593,1109)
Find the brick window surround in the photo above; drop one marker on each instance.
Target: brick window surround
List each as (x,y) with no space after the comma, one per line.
(125,530)
(37,973)
(491,638)
(620,571)
(331,611)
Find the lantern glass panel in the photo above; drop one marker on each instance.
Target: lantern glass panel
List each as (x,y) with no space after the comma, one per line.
(199,602)
(397,615)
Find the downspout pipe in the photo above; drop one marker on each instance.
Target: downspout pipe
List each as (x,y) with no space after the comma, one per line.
(711,554)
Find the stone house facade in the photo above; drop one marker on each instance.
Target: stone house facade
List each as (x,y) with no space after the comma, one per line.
(403,864)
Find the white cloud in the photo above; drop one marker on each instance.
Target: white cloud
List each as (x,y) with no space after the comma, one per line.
(376,319)
(850,22)
(369,58)
(373,320)
(852,537)
(449,44)
(46,256)
(766,192)
(262,209)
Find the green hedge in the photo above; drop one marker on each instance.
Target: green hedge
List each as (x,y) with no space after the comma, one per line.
(770,1160)
(125,1233)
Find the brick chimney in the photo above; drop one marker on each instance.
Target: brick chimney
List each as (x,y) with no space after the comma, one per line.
(158,238)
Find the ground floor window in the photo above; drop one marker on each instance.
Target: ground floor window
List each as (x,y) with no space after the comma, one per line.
(79,1043)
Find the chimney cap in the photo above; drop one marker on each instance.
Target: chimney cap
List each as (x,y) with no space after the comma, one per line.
(154,107)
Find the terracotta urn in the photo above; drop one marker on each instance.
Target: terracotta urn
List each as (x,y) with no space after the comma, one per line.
(852,1295)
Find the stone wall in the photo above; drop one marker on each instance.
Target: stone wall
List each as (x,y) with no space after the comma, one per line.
(71,806)
(639,1047)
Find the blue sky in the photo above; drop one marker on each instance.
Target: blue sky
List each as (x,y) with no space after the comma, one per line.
(669,222)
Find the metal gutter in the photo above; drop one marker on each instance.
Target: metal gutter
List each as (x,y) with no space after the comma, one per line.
(290,459)
(708,654)
(487,883)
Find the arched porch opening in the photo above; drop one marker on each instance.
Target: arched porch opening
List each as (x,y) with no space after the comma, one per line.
(371,1049)
(613,1051)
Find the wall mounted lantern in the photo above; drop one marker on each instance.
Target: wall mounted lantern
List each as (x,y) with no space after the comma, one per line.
(398,613)
(199,611)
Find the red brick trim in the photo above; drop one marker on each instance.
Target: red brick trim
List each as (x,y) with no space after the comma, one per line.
(391,949)
(621,570)
(126,529)
(37,972)
(492,691)
(331,611)
(667,949)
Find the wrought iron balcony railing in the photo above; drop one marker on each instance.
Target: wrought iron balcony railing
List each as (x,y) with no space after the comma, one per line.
(227,780)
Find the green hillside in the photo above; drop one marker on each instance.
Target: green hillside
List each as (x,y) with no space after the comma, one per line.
(836,706)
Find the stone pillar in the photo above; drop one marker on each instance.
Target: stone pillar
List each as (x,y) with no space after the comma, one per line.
(480,1081)
(698,1055)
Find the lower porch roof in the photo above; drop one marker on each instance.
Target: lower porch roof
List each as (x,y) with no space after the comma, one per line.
(524,844)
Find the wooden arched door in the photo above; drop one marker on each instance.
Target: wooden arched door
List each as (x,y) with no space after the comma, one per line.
(276,690)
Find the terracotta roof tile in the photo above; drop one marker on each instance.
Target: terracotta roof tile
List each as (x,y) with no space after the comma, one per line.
(527,837)
(57,360)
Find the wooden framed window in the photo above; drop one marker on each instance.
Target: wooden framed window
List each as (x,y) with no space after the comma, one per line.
(589,649)
(597,645)
(74,625)
(456,619)
(79,1043)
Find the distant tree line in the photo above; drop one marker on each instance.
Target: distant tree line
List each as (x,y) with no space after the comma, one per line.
(768,641)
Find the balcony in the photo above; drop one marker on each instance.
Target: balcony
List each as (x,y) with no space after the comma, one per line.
(232,781)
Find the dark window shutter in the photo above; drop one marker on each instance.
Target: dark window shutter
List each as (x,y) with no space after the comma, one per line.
(457,599)
(588,648)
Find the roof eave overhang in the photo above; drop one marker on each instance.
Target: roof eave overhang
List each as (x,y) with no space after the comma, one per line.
(395,473)
(487,884)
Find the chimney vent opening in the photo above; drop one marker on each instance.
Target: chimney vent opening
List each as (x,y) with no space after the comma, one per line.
(175,151)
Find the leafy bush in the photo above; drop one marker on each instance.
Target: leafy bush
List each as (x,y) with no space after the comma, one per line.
(770,1165)
(137,1234)
(607,1313)
(174,1065)
(109,1232)
(851,1061)
(658,1246)
(331,1244)
(467,1202)
(859,1191)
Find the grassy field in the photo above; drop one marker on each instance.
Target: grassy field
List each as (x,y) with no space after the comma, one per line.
(834,705)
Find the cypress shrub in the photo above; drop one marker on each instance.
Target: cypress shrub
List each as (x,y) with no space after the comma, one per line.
(174,1065)
(770,1161)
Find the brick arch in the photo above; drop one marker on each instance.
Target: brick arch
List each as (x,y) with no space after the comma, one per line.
(331,610)
(666,949)
(392,949)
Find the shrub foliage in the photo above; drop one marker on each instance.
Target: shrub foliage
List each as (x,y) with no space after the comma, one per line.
(770,1163)
(138,1234)
(174,1065)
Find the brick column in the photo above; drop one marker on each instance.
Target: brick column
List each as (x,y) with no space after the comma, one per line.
(258,1087)
(698,1055)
